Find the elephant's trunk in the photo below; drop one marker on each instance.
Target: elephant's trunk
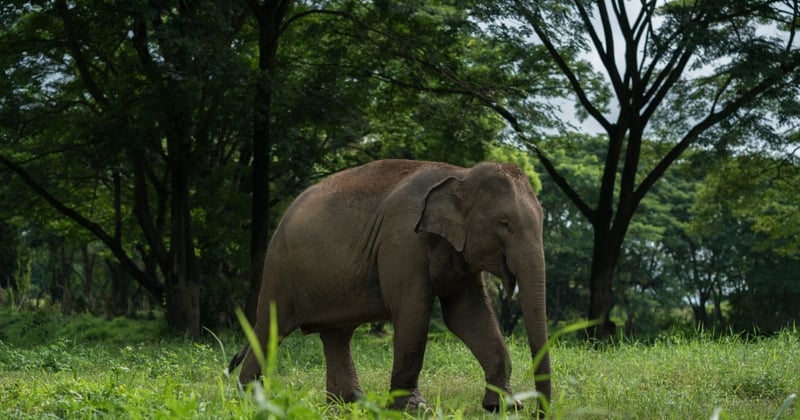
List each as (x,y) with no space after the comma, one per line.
(529,269)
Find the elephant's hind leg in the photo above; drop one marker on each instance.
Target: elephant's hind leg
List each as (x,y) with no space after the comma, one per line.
(251,369)
(342,378)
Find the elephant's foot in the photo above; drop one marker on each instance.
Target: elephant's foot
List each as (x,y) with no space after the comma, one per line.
(411,402)
(491,402)
(338,397)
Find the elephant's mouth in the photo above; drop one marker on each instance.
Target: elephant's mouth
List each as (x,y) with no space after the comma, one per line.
(508,277)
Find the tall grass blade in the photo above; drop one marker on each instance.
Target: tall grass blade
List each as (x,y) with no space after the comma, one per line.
(221,346)
(252,339)
(578,326)
(267,361)
(544,405)
(272,351)
(715,415)
(787,404)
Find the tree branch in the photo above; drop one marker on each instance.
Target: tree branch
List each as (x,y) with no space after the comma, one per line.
(606,52)
(564,67)
(80,59)
(709,121)
(155,288)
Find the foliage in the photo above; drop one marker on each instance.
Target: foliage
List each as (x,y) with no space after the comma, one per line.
(133,124)
(693,254)
(760,188)
(753,197)
(127,138)
(524,161)
(693,73)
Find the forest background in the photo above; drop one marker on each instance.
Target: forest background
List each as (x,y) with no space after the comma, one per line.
(148,148)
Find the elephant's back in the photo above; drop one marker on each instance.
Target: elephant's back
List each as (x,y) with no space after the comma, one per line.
(374,180)
(346,205)
(351,203)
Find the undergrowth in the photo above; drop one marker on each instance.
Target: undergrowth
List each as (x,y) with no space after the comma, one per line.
(84,367)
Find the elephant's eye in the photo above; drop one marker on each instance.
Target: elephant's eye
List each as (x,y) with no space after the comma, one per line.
(506,225)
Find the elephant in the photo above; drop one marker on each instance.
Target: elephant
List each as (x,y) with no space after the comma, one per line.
(380,242)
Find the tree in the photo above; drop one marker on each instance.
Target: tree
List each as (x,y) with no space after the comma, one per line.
(120,100)
(645,293)
(269,16)
(761,187)
(8,256)
(683,72)
(752,198)
(707,249)
(175,134)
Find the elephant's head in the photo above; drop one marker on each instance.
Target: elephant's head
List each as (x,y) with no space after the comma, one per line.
(491,215)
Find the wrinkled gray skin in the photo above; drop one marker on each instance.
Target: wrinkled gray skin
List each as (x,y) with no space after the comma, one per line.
(380,242)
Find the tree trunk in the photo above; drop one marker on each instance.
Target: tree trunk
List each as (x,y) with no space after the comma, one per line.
(259,231)
(66,294)
(630,327)
(183,278)
(270,16)
(118,299)
(601,281)
(700,314)
(510,314)
(600,299)
(88,278)
(719,320)
(8,257)
(65,272)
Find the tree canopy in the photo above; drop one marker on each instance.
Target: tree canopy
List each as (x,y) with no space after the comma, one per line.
(147,149)
(683,73)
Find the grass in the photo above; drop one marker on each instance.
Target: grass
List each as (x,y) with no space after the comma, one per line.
(82,367)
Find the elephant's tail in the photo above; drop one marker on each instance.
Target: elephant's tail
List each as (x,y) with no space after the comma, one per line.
(237,360)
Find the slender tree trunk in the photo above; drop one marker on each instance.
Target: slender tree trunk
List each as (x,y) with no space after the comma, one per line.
(719,320)
(510,311)
(269,16)
(8,257)
(183,285)
(88,278)
(611,226)
(259,233)
(65,272)
(630,326)
(118,299)
(700,313)
(66,295)
(183,278)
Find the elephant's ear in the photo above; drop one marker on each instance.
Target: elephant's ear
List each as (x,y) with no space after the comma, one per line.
(442,212)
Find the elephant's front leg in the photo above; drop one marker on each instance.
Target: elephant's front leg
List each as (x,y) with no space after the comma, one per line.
(410,323)
(342,379)
(468,314)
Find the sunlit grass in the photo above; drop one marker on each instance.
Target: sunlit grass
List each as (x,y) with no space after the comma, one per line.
(72,376)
